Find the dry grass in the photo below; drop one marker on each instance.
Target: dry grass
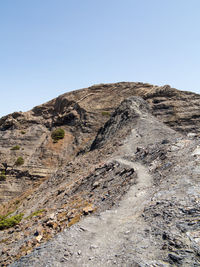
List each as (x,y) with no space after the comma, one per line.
(74,220)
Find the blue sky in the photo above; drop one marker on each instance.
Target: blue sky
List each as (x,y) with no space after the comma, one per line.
(48,47)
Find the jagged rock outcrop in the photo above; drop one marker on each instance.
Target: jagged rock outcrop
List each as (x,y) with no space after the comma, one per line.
(114,137)
(124,118)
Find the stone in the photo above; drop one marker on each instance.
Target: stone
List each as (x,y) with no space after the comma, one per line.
(196,152)
(39,238)
(79,252)
(96,184)
(88,209)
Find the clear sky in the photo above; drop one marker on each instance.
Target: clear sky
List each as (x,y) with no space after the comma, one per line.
(48,47)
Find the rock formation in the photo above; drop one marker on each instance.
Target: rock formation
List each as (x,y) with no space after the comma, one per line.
(130,155)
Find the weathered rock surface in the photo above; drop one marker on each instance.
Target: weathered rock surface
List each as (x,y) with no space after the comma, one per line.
(81,113)
(117,160)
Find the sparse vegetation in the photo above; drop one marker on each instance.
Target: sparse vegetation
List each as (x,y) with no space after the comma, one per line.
(23,132)
(19,161)
(3,176)
(105,113)
(57,135)
(17,147)
(11,221)
(35,213)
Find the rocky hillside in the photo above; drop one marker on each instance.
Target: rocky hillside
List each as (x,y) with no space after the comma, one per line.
(80,113)
(129,154)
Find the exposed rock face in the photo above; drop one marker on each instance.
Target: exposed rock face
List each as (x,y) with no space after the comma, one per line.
(125,118)
(81,113)
(115,142)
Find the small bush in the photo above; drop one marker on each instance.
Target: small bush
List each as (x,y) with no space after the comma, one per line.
(57,135)
(10,222)
(19,161)
(3,176)
(23,132)
(105,113)
(15,147)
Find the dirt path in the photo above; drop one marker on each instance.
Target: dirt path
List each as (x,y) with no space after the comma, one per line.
(105,240)
(111,229)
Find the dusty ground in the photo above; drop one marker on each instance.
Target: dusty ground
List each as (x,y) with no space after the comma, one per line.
(98,240)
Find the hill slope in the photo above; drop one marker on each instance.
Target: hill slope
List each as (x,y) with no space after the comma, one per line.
(114,143)
(80,113)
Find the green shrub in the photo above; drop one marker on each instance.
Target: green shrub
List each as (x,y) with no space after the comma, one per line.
(15,147)
(19,161)
(105,113)
(57,135)
(10,222)
(23,132)
(3,176)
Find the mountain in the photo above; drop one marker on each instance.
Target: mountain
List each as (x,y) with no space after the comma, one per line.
(106,175)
